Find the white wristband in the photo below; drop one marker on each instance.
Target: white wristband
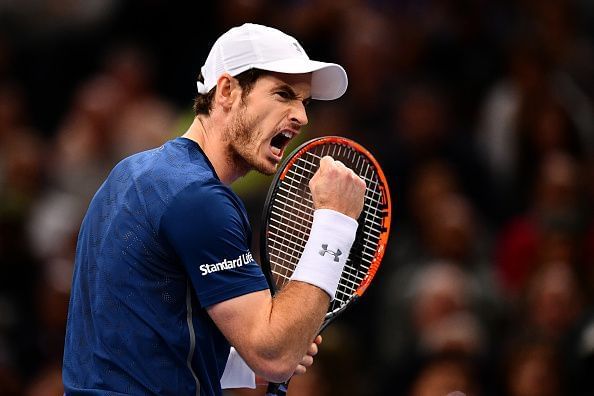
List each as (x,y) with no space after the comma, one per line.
(326,251)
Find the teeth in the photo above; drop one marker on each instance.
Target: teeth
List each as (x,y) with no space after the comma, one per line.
(287,134)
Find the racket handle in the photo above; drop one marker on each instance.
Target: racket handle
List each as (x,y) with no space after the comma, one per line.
(277,389)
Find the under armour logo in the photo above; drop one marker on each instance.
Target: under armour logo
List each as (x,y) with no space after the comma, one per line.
(325,250)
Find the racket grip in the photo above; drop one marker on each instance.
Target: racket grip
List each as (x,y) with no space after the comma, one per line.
(277,389)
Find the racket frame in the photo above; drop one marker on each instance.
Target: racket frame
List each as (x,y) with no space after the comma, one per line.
(379,253)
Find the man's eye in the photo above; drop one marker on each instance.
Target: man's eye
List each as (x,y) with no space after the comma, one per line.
(284,94)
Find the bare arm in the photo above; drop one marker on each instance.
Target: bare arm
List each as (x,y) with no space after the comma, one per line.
(274,334)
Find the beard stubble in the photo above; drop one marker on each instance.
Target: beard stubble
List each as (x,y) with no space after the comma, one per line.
(243,138)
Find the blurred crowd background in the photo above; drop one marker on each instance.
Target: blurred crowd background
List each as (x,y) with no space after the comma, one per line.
(481,112)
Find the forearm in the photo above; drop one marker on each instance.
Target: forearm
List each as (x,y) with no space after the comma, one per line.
(295,318)
(274,334)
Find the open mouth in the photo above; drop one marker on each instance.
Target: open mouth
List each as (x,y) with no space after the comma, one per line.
(280,141)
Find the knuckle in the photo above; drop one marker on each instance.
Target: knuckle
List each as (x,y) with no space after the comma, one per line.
(361,182)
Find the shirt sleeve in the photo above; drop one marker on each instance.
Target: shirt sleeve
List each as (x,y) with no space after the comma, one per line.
(208,232)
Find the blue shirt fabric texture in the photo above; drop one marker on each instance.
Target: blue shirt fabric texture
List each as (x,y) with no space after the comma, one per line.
(163,239)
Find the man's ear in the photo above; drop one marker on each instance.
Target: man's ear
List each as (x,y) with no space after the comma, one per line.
(228,91)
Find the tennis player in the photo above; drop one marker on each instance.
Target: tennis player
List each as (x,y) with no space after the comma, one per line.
(166,296)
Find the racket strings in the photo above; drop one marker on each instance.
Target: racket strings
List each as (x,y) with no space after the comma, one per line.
(293,209)
(365,246)
(350,284)
(292,217)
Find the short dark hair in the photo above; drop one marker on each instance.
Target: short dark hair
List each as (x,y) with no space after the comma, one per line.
(247,79)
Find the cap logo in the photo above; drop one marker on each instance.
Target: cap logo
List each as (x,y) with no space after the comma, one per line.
(297,47)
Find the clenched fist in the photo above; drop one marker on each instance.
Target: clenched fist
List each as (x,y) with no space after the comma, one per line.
(336,187)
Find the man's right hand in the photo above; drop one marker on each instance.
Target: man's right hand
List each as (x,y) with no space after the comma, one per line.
(336,187)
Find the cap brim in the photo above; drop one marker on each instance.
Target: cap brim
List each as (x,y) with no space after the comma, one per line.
(328,82)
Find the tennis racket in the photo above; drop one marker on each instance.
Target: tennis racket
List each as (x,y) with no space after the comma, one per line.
(288,217)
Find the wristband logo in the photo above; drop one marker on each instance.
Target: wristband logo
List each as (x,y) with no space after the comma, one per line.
(330,252)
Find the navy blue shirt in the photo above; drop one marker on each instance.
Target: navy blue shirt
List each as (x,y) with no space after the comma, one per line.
(163,239)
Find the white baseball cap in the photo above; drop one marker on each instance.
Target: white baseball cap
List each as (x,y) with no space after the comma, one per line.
(252,46)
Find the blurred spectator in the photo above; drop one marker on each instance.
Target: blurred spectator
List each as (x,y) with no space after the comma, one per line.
(142,120)
(432,182)
(81,154)
(435,310)
(543,128)
(22,179)
(533,111)
(553,301)
(446,228)
(532,368)
(554,23)
(450,231)
(317,21)
(440,295)
(446,374)
(354,33)
(52,17)
(424,130)
(337,369)
(21,149)
(548,230)
(579,356)
(368,62)
(235,12)
(114,114)
(527,73)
